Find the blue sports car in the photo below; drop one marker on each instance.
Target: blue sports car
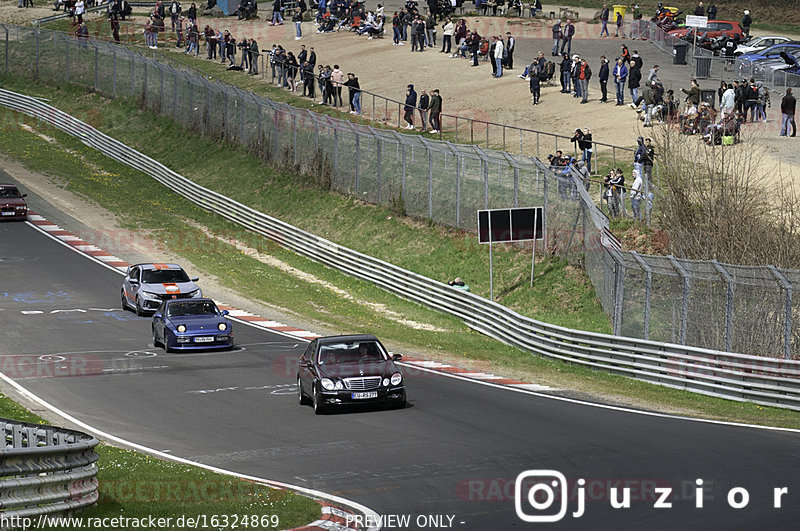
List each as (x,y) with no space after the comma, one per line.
(191,324)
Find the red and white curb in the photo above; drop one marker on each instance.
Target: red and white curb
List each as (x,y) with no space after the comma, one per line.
(333,519)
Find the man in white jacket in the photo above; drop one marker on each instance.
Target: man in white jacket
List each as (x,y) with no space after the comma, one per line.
(447,37)
(728,101)
(636,195)
(498,56)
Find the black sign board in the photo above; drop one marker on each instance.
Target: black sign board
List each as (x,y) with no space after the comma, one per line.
(510,225)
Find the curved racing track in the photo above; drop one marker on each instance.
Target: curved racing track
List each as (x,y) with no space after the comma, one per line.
(454,452)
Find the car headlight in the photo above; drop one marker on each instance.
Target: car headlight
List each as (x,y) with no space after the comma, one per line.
(195,294)
(150,294)
(327,384)
(222,326)
(181,328)
(21,208)
(397,378)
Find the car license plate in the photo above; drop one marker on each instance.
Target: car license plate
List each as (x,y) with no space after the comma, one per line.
(370,394)
(204,339)
(8,213)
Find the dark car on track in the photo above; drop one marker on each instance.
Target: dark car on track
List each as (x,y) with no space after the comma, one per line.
(12,203)
(191,324)
(347,370)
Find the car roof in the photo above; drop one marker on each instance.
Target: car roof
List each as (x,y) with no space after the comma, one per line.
(338,339)
(152,266)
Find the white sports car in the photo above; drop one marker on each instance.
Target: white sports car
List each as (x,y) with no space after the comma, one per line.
(146,286)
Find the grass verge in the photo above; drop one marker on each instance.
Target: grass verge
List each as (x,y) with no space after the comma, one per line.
(353,305)
(138,486)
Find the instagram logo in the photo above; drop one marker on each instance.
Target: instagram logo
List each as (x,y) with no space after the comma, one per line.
(536,492)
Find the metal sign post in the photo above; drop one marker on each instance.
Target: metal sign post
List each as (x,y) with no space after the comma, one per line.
(695,22)
(510,225)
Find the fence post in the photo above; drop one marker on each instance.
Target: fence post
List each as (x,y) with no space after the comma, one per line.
(114,55)
(133,76)
(403,176)
(96,66)
(685,297)
(787,315)
(430,183)
(516,186)
(335,151)
(648,284)
(728,304)
(458,190)
(619,292)
(358,161)
(175,95)
(379,150)
(66,60)
(37,50)
(294,135)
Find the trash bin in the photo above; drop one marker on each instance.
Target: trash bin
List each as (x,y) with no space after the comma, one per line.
(618,8)
(708,96)
(702,67)
(679,53)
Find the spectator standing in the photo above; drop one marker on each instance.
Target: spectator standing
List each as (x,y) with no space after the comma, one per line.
(635,75)
(727,102)
(647,164)
(174,12)
(114,20)
(430,31)
(712,11)
(511,44)
(410,105)
(297,18)
(80,8)
(397,32)
(474,42)
(620,76)
(498,56)
(699,11)
(603,77)
(436,111)
(355,93)
(192,14)
(414,26)
(308,79)
(604,20)
(420,33)
(533,76)
(277,8)
(566,76)
(653,75)
(583,78)
(447,36)
(337,79)
(620,23)
(566,37)
(254,53)
(639,155)
(746,22)
(583,140)
(556,37)
(636,195)
(788,104)
(693,94)
(424,104)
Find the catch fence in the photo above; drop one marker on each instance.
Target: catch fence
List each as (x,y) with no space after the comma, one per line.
(705,304)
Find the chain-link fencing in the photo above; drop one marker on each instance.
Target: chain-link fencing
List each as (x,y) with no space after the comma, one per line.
(706,304)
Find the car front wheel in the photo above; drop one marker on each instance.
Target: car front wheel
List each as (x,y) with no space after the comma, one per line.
(301,397)
(123,302)
(319,407)
(139,310)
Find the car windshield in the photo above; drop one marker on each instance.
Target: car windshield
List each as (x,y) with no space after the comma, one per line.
(183,308)
(9,192)
(160,276)
(351,352)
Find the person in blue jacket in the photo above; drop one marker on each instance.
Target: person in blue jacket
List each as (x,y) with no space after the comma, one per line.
(620,76)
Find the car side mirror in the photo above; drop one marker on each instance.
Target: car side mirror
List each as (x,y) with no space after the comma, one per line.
(24,195)
(397,357)
(133,281)
(304,363)
(157,314)
(195,279)
(225,312)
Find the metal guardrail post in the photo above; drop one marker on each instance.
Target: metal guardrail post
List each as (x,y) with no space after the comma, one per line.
(294,140)
(648,285)
(619,292)
(787,315)
(96,67)
(684,299)
(458,190)
(358,162)
(403,175)
(66,60)
(378,162)
(335,151)
(726,276)
(5,30)
(430,183)
(114,80)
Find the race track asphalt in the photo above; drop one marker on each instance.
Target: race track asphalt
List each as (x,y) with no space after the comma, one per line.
(456,450)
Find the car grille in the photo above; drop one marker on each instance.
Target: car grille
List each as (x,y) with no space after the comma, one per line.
(7,209)
(170,296)
(363,384)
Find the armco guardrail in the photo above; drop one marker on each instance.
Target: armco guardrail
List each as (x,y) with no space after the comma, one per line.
(45,470)
(763,380)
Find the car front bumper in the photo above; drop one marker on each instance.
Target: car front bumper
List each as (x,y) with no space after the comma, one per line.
(391,394)
(189,342)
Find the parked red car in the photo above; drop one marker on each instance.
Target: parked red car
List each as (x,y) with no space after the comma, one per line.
(715,28)
(12,203)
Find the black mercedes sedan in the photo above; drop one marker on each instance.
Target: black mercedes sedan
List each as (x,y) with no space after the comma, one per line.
(340,370)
